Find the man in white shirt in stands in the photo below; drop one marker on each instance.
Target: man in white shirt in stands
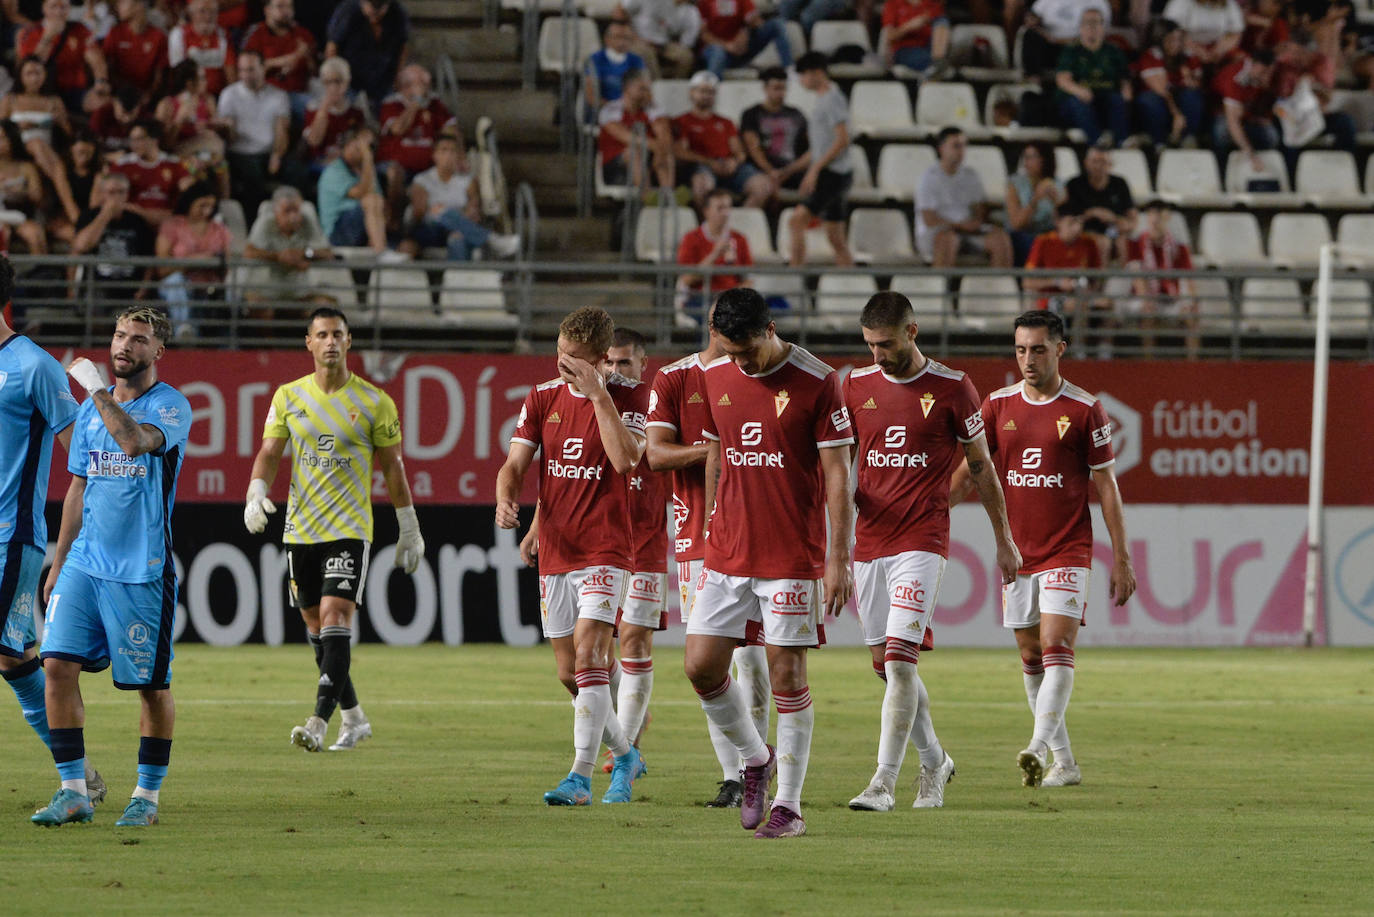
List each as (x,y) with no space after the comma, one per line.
(258,116)
(951,209)
(665,32)
(447,209)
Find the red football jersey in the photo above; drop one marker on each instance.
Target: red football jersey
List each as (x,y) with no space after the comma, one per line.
(151,184)
(68,59)
(909,433)
(708,136)
(213,52)
(678,403)
(1236,84)
(1186,70)
(614,112)
(584,503)
(769,518)
(1044,451)
(271,45)
(340,123)
(724,18)
(415,148)
(135,59)
(649,491)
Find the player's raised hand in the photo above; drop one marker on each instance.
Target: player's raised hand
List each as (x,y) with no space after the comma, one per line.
(582,374)
(1008,560)
(257,507)
(410,546)
(839,586)
(87,375)
(1123,581)
(507,514)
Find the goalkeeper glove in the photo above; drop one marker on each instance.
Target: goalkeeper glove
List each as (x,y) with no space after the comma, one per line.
(410,547)
(257,507)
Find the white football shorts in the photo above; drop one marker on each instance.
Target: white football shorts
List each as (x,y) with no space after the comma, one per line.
(1061,591)
(646,601)
(789,609)
(592,592)
(896,595)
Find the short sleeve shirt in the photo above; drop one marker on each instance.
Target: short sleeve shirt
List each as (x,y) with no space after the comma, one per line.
(1102,70)
(1061,17)
(831,110)
(68,59)
(335,183)
(270,44)
(724,18)
(771,428)
(696,245)
(781,133)
(584,501)
(678,403)
(126,515)
(125,236)
(953,197)
(609,74)
(339,123)
(897,13)
(708,136)
(1045,452)
(134,59)
(414,149)
(35,403)
(910,436)
(451,194)
(254,115)
(1115,196)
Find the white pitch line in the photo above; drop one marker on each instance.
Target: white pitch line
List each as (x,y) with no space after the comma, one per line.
(991,705)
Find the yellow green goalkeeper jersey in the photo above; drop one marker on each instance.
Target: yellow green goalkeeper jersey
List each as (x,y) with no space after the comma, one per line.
(332,440)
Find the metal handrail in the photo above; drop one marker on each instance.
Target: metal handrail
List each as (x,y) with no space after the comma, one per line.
(529,42)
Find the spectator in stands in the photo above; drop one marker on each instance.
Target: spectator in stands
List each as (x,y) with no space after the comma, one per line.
(37,112)
(136,51)
(605,71)
(373,36)
(1094,83)
(1104,200)
(352,211)
(665,32)
(331,116)
(708,147)
(288,52)
(1162,300)
(155,179)
(1246,119)
(1213,28)
(109,119)
(1169,104)
(1033,194)
(21,189)
(951,213)
(829,173)
(621,160)
(258,117)
(286,240)
(188,116)
(917,34)
(412,119)
(774,133)
(1051,26)
(447,208)
(810,12)
(83,168)
(191,232)
(114,234)
(68,48)
(1064,247)
(201,39)
(713,243)
(1265,27)
(733,33)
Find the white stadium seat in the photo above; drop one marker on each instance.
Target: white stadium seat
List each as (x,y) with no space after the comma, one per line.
(962,41)
(734,96)
(752,223)
(991,167)
(659,231)
(1190,178)
(1227,239)
(861,190)
(941,105)
(1240,172)
(880,235)
(841,297)
(672,98)
(1355,235)
(585,41)
(402,296)
(1066,165)
(1349,307)
(987,299)
(818,247)
(1327,179)
(927,293)
(881,108)
(900,167)
(1295,239)
(474,299)
(1133,167)
(830,34)
(1216,312)
(1273,305)
(1013,92)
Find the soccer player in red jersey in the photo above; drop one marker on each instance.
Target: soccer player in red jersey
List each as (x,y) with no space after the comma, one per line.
(914,419)
(1050,438)
(677,414)
(589,426)
(777,465)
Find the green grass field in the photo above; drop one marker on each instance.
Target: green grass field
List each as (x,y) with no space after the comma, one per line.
(1214,781)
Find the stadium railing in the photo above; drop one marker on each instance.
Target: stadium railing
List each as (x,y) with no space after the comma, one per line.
(515,306)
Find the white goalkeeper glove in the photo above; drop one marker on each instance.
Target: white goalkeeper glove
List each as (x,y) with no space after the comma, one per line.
(410,547)
(257,507)
(87,375)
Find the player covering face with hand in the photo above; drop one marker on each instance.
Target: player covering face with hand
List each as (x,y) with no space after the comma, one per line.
(1050,439)
(337,423)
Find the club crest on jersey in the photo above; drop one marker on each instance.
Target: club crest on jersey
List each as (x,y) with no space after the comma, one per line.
(695,398)
(781,400)
(554,418)
(724,401)
(927,402)
(870,405)
(1009,425)
(1062,424)
(353,416)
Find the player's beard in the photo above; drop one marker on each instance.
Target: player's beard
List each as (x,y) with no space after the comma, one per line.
(128,370)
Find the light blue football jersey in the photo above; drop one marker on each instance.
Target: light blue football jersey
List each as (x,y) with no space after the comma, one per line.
(35,403)
(126,520)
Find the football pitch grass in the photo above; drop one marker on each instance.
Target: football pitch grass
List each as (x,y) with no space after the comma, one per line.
(1215,781)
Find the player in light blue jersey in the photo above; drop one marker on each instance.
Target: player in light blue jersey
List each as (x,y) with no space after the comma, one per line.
(36,405)
(112,588)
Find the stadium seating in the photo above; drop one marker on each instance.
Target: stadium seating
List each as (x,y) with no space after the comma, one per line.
(831,34)
(818,247)
(1295,239)
(586,41)
(882,108)
(962,41)
(1135,169)
(660,229)
(1349,307)
(985,300)
(1327,178)
(841,297)
(474,299)
(752,223)
(927,292)
(1355,235)
(400,295)
(900,167)
(880,235)
(941,105)
(1239,173)
(788,287)
(1066,164)
(231,215)
(991,167)
(1013,92)
(1230,239)
(672,98)
(768,57)
(1190,178)
(861,190)
(734,96)
(1273,305)
(1216,311)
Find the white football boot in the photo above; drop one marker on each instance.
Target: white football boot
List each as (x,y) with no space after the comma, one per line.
(350,736)
(1063,775)
(311,735)
(876,798)
(930,785)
